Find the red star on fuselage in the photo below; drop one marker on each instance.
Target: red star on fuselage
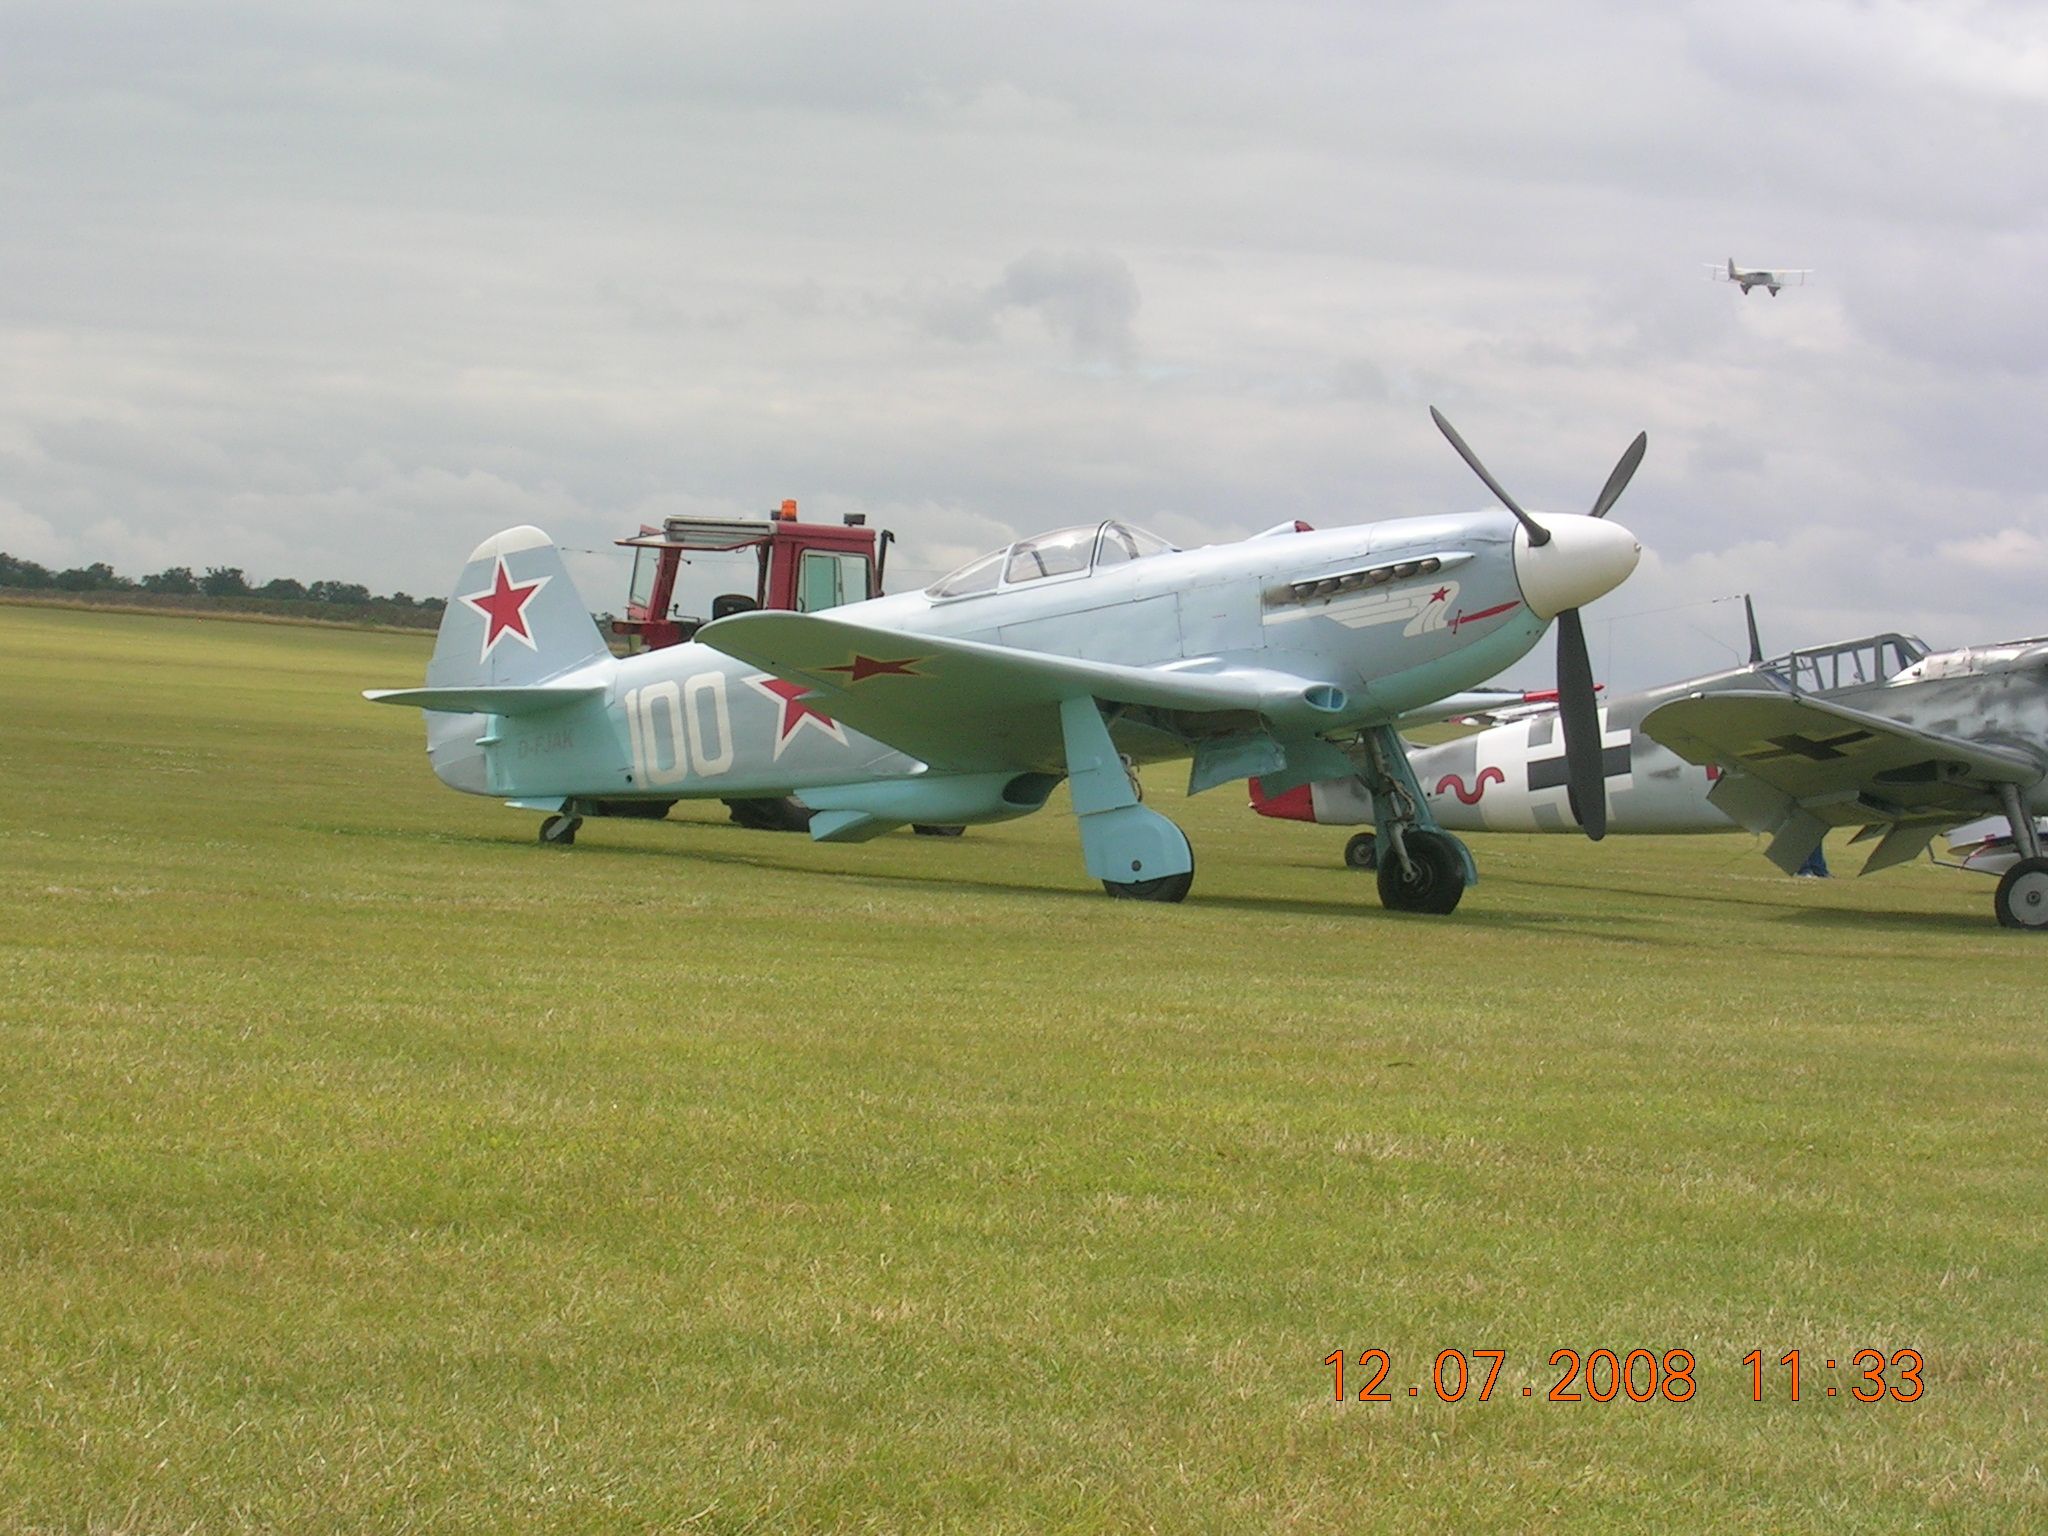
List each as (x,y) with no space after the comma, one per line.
(1440,594)
(503,606)
(788,697)
(861,668)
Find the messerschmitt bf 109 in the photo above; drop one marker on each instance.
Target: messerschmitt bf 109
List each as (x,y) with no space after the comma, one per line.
(1767,278)
(1066,656)
(1877,733)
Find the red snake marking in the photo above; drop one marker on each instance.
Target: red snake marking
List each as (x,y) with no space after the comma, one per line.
(1456,785)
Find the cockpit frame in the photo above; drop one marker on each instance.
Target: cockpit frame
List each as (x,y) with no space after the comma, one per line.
(1062,554)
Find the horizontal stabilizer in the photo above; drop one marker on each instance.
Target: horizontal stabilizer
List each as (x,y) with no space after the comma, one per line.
(503,699)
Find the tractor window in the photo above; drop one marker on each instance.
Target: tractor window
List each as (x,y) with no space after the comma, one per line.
(641,593)
(826,580)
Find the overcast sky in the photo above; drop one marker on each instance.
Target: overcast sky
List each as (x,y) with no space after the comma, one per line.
(338,290)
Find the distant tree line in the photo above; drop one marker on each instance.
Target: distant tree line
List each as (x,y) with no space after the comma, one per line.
(223,581)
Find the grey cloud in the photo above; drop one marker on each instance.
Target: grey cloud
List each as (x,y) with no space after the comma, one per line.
(1088,300)
(287,287)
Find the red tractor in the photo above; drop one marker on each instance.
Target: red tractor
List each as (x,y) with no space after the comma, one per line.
(773,562)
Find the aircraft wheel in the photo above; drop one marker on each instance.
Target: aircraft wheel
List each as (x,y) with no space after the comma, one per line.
(559,831)
(924,829)
(1164,888)
(1362,852)
(1437,884)
(2022,900)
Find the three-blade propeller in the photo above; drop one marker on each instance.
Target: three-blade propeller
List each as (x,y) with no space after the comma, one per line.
(1578,712)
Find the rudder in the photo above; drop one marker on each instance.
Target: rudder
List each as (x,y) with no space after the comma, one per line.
(514,617)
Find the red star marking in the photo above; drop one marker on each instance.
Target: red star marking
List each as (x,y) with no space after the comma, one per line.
(1440,594)
(794,712)
(503,606)
(861,668)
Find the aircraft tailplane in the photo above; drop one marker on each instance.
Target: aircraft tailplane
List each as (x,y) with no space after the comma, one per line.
(514,618)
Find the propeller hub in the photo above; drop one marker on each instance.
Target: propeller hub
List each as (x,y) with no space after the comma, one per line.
(1587,557)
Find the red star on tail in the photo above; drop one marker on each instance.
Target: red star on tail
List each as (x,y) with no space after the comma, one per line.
(503,606)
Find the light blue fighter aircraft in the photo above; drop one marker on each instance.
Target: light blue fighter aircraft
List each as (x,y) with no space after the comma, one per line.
(1071,655)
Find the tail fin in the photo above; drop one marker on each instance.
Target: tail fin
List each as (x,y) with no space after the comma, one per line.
(1731,269)
(515,617)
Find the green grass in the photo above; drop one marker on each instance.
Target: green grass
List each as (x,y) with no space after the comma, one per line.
(365,1166)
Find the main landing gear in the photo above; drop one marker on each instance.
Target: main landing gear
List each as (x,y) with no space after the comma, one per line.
(1137,854)
(1422,868)
(2022,899)
(559,831)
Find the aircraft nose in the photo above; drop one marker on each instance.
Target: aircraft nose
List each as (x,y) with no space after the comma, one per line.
(1586,558)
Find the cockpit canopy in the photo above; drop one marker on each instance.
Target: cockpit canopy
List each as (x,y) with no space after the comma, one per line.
(1063,552)
(1850,665)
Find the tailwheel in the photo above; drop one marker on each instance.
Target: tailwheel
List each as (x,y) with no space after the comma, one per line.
(2022,899)
(1434,880)
(559,831)
(1362,852)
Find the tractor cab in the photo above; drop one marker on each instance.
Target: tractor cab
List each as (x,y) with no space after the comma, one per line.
(692,570)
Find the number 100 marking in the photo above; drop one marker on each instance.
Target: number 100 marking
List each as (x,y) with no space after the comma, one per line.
(668,725)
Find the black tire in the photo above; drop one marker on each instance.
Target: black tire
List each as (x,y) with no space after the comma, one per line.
(1161,888)
(1362,852)
(769,815)
(1165,888)
(924,829)
(559,831)
(2022,899)
(1438,883)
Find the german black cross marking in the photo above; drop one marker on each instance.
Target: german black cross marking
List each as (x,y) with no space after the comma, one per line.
(1823,751)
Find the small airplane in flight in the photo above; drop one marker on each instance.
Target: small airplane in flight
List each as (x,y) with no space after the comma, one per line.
(1065,656)
(1768,278)
(1877,733)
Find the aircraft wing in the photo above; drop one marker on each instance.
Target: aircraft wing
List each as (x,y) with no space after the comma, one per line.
(1793,766)
(964,706)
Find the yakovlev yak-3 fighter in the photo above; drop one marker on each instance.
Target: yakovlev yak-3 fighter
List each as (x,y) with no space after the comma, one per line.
(1877,733)
(1067,656)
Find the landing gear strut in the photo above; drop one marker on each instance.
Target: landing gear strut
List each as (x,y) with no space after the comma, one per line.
(559,831)
(1137,854)
(1422,868)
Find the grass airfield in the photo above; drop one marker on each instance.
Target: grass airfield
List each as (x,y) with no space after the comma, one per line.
(367,1166)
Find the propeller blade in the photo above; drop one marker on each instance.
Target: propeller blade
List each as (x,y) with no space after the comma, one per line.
(1625,470)
(1585,774)
(1756,646)
(1538,534)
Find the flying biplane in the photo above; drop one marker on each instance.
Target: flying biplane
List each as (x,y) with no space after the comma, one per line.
(1064,656)
(1768,278)
(1877,733)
